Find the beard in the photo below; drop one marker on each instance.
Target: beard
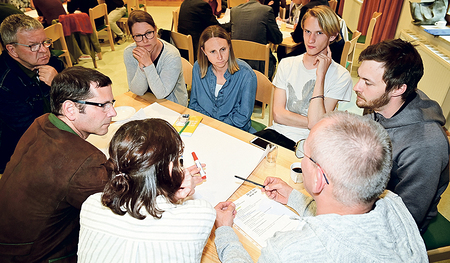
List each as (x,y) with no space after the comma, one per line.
(375,104)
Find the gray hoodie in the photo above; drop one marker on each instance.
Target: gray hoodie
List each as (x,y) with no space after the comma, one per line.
(420,150)
(388,233)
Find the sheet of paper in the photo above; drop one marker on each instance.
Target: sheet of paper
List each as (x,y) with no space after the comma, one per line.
(259,217)
(224,155)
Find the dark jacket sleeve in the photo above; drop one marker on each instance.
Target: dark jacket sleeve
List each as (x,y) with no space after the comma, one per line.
(274,34)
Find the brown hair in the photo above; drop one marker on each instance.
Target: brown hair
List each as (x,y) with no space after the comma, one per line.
(401,61)
(203,62)
(139,16)
(140,155)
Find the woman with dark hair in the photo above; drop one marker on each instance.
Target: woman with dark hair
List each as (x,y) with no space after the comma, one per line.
(144,214)
(153,64)
(223,87)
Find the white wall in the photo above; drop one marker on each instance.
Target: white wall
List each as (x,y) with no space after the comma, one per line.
(350,14)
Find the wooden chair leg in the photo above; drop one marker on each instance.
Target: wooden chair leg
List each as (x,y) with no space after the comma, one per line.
(111,39)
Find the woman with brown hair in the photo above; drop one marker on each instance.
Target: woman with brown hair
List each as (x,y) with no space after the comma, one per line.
(153,64)
(223,87)
(144,214)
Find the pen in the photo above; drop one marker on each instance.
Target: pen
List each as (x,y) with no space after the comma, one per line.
(250,181)
(184,127)
(199,165)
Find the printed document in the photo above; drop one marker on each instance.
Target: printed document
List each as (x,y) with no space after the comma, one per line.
(259,217)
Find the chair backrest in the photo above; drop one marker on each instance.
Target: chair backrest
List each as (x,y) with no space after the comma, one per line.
(184,42)
(175,14)
(244,49)
(264,93)
(97,12)
(55,32)
(187,72)
(370,29)
(101,11)
(1,48)
(135,5)
(233,3)
(348,53)
(333,4)
(282,13)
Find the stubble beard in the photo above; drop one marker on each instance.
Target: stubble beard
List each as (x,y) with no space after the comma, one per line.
(374,105)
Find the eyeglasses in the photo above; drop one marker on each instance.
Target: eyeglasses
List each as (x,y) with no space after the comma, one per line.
(35,47)
(300,153)
(105,106)
(149,35)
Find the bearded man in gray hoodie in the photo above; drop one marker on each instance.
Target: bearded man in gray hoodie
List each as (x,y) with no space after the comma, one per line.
(387,87)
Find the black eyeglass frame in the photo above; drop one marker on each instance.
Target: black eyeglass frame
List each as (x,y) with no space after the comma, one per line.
(101,105)
(46,43)
(299,149)
(146,35)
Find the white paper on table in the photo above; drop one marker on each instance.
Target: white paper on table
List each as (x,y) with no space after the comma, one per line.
(224,155)
(259,217)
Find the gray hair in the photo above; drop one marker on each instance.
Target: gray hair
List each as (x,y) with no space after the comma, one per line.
(15,23)
(355,153)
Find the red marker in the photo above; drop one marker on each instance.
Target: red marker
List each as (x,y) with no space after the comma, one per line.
(199,165)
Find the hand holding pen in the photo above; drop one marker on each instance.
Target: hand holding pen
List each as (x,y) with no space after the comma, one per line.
(277,189)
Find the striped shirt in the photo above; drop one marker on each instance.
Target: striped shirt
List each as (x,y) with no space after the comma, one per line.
(179,236)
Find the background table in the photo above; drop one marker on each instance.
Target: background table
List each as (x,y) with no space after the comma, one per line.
(280,169)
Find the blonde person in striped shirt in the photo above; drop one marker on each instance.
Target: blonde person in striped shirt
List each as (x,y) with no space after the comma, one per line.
(144,213)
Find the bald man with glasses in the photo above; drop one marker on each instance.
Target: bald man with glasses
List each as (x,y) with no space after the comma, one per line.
(347,216)
(26,73)
(54,169)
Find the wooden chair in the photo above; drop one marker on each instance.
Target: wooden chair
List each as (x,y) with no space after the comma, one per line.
(55,32)
(97,12)
(370,29)
(348,53)
(187,73)
(184,42)
(233,3)
(333,4)
(253,51)
(1,48)
(264,94)
(175,14)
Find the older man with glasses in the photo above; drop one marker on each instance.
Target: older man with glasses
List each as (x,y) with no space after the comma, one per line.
(26,73)
(54,170)
(347,218)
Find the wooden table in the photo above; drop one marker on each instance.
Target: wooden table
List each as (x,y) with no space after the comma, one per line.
(288,42)
(280,169)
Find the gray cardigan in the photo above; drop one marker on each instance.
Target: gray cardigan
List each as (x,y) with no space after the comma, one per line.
(388,233)
(166,80)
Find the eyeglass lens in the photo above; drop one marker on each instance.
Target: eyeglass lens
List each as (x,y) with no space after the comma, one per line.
(35,47)
(149,35)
